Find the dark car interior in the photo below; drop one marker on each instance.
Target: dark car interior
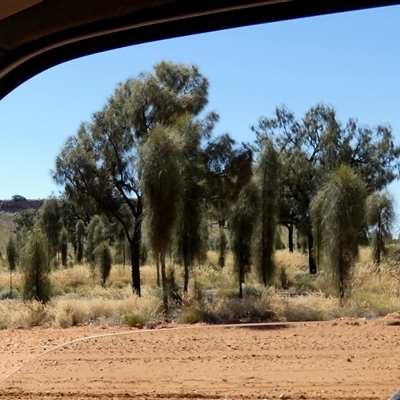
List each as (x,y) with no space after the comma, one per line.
(38,34)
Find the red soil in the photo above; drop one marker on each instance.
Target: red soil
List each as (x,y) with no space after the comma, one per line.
(343,359)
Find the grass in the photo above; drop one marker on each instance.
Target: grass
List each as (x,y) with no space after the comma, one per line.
(213,296)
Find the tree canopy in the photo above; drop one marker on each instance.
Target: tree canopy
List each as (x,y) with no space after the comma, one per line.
(337,212)
(148,171)
(100,163)
(311,148)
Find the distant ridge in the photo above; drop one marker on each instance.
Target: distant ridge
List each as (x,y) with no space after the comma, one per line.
(14,206)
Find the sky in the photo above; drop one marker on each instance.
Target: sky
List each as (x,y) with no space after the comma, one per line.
(350,61)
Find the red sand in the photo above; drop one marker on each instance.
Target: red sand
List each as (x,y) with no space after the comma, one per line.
(343,359)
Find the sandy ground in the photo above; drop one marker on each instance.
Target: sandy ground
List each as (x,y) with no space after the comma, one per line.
(343,359)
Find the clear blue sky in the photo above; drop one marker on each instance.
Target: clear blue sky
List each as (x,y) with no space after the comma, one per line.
(350,61)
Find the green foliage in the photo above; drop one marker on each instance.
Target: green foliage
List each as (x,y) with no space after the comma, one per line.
(36,282)
(173,290)
(380,216)
(267,175)
(12,259)
(102,254)
(241,226)
(161,184)
(12,253)
(50,217)
(192,316)
(134,320)
(171,91)
(26,219)
(63,246)
(162,187)
(80,237)
(222,244)
(195,315)
(109,177)
(91,237)
(9,294)
(228,169)
(190,232)
(337,212)
(311,148)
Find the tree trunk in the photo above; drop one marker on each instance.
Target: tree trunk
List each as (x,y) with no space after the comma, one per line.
(135,263)
(186,274)
(290,238)
(378,248)
(263,255)
(241,280)
(164,281)
(158,270)
(222,247)
(378,239)
(311,262)
(11,294)
(134,244)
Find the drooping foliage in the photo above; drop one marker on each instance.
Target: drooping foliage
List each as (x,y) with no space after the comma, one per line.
(267,178)
(147,164)
(12,258)
(241,225)
(311,148)
(190,241)
(50,217)
(25,220)
(36,269)
(228,169)
(337,212)
(103,259)
(12,253)
(100,163)
(80,237)
(161,184)
(63,246)
(91,238)
(162,187)
(222,244)
(380,216)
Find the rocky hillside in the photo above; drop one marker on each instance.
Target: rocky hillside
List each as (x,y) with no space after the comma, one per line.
(14,206)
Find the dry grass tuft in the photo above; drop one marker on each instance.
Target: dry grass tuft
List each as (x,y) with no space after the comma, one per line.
(16,314)
(106,304)
(5,278)
(312,307)
(72,279)
(76,309)
(213,297)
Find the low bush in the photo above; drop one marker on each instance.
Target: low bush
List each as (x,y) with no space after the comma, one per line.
(134,320)
(78,298)
(7,294)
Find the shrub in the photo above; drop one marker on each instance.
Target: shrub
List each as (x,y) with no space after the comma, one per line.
(135,319)
(103,259)
(7,294)
(32,313)
(36,284)
(194,316)
(70,312)
(63,246)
